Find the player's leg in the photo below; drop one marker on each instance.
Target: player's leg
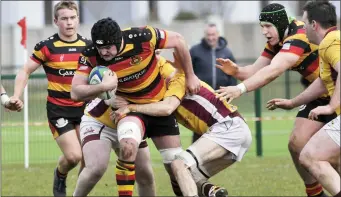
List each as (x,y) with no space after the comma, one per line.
(97,141)
(130,131)
(144,171)
(82,163)
(322,150)
(216,150)
(303,130)
(164,132)
(66,137)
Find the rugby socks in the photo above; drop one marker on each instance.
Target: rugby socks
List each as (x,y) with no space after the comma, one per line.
(125,177)
(314,189)
(176,188)
(206,188)
(60,175)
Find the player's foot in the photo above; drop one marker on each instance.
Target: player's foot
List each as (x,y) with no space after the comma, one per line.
(216,191)
(59,185)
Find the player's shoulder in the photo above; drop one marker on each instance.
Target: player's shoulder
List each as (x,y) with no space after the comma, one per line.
(330,39)
(139,34)
(46,42)
(89,51)
(86,40)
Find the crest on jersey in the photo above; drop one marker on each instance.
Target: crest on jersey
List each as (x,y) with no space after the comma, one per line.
(135,60)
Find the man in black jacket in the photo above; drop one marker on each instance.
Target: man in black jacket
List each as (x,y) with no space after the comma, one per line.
(204,56)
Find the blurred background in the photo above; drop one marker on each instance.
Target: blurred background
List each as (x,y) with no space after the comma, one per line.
(236,21)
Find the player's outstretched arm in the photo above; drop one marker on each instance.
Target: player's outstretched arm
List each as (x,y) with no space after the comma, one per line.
(177,41)
(242,72)
(22,77)
(279,64)
(312,92)
(82,91)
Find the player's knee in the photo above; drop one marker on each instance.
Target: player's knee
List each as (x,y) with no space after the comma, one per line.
(168,155)
(128,148)
(73,158)
(97,171)
(176,165)
(295,145)
(306,158)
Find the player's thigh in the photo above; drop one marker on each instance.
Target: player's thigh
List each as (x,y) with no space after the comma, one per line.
(232,135)
(325,144)
(304,128)
(68,141)
(164,131)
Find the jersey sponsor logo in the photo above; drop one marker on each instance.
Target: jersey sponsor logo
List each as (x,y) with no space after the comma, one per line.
(61,122)
(135,60)
(64,72)
(132,77)
(72,49)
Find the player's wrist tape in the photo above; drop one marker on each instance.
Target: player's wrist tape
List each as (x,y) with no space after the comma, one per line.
(242,88)
(4,98)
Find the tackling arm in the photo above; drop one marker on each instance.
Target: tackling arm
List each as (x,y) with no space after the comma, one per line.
(161,108)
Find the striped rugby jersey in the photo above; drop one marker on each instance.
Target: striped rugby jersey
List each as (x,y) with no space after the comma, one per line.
(297,43)
(139,79)
(60,61)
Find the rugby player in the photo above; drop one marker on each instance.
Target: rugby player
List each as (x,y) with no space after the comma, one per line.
(321,155)
(131,55)
(59,55)
(287,49)
(225,137)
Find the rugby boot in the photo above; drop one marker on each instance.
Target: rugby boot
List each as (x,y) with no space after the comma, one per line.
(59,185)
(216,191)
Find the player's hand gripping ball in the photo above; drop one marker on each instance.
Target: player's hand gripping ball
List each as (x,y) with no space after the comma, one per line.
(96,77)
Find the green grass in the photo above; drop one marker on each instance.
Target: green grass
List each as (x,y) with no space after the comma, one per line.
(272,174)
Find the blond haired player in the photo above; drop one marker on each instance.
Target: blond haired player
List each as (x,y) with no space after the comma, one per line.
(322,152)
(59,56)
(225,136)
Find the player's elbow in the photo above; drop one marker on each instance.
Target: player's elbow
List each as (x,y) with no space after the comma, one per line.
(74,95)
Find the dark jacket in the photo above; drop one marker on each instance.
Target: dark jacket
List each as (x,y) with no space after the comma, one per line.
(202,58)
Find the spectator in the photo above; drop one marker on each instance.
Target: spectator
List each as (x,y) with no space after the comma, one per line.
(204,56)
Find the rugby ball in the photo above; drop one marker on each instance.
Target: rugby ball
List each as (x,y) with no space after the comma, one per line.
(96,76)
